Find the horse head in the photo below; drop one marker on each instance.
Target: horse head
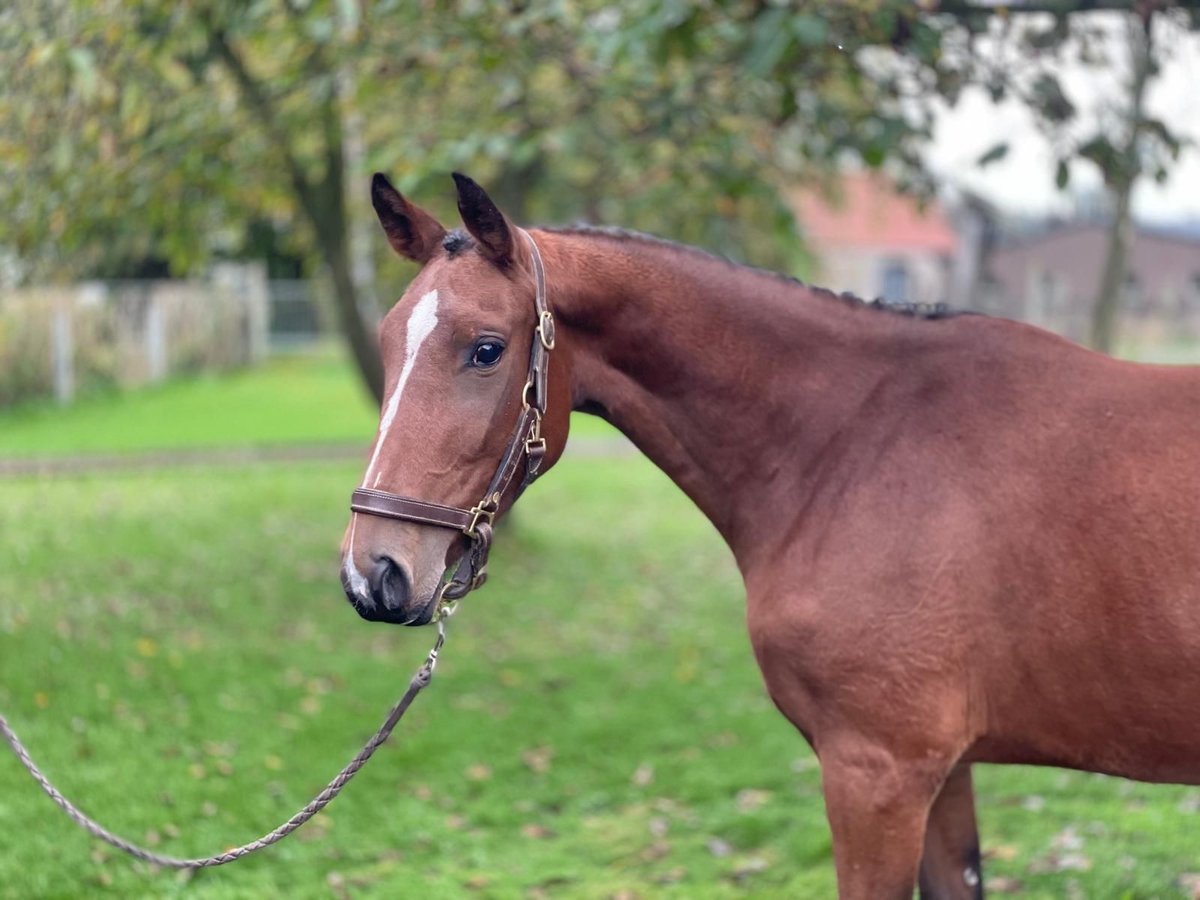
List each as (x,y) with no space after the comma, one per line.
(464,398)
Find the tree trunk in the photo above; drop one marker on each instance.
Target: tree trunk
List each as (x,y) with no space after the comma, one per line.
(1120,181)
(362,343)
(1108,303)
(332,223)
(323,201)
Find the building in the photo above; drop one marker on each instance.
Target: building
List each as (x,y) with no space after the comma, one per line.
(873,241)
(1052,279)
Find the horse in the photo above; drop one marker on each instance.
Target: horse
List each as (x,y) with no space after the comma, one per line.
(963,539)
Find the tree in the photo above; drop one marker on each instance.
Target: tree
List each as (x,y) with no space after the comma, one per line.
(180,125)
(177,122)
(175,127)
(899,60)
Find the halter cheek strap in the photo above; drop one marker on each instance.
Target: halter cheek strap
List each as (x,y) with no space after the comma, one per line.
(526,445)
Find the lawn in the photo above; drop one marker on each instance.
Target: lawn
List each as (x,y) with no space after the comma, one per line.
(304,398)
(175,650)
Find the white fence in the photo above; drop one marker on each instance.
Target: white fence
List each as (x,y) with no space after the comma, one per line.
(56,341)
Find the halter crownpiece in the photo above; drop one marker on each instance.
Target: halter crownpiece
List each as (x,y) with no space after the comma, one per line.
(525,444)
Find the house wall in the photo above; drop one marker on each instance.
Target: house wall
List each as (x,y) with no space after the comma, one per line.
(859,270)
(1053,281)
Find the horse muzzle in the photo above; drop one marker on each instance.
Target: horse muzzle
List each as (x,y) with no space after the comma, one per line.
(386,595)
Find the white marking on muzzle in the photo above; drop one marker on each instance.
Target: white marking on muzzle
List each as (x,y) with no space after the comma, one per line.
(420,325)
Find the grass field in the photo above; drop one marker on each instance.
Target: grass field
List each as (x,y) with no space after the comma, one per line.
(299,399)
(175,650)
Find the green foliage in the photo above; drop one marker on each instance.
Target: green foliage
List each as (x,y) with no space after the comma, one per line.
(177,128)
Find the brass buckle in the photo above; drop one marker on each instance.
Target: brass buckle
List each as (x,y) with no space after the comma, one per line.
(484,512)
(545,329)
(535,439)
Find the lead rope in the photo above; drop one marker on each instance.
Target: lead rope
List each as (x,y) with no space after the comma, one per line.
(419,682)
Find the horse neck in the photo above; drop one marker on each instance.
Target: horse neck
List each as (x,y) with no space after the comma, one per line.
(732,381)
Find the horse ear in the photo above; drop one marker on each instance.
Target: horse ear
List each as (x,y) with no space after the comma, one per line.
(412,232)
(491,230)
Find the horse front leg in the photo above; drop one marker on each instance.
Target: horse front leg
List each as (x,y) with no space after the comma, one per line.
(950,865)
(878,805)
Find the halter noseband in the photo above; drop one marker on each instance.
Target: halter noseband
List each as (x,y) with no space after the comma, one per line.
(526,442)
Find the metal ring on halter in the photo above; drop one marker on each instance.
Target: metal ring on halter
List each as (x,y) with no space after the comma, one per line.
(545,329)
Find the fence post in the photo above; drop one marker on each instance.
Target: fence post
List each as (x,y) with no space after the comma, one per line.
(156,338)
(63,343)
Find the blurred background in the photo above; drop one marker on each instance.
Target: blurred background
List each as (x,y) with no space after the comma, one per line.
(184,185)
(190,281)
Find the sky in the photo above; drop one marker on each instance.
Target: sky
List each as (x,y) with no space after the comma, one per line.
(1023,182)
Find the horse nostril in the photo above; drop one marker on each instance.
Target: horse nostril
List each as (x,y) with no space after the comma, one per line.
(390,587)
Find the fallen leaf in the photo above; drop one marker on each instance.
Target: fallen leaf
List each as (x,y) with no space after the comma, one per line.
(1067,839)
(310,705)
(1002,884)
(672,876)
(337,885)
(478,772)
(1190,882)
(718,847)
(1066,862)
(750,799)
(656,851)
(538,759)
(643,775)
(751,865)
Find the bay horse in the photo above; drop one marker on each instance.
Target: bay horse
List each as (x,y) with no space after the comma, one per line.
(963,539)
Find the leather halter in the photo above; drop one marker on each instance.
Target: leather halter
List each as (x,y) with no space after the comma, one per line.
(525,444)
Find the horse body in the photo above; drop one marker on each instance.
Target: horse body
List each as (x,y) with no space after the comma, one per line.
(963,539)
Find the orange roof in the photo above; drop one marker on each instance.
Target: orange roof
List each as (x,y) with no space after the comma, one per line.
(867,211)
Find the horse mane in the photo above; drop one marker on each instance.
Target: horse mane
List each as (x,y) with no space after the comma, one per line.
(931,311)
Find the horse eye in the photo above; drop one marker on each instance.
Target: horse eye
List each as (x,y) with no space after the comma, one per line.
(487,354)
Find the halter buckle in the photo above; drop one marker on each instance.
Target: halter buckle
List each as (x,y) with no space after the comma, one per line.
(545,329)
(535,444)
(483,512)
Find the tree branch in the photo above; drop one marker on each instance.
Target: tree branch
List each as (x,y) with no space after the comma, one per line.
(258,100)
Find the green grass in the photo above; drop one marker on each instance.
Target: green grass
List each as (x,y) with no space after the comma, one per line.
(292,399)
(177,654)
(1168,351)
(296,399)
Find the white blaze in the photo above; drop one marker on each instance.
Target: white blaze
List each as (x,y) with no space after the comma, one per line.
(420,325)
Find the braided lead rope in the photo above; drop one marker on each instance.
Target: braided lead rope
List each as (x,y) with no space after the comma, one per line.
(419,681)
